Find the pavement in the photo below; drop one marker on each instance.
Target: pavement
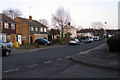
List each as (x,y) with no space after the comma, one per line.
(99,57)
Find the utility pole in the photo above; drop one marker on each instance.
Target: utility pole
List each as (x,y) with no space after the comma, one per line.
(105,32)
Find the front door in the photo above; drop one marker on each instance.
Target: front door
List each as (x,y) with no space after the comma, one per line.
(31,39)
(19,39)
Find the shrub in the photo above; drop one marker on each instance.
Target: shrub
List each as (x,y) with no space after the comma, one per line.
(114,44)
(56,41)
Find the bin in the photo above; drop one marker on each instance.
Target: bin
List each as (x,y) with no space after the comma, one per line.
(16,44)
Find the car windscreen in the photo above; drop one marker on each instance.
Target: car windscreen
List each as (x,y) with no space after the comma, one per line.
(72,39)
(46,40)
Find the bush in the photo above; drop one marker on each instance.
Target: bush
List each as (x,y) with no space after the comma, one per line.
(114,44)
(56,41)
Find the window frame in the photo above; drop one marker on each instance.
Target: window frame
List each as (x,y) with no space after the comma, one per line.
(41,29)
(6,25)
(12,26)
(31,28)
(36,29)
(45,29)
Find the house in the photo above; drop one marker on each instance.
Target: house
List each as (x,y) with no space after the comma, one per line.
(7,29)
(30,30)
(90,33)
(54,34)
(85,33)
(69,30)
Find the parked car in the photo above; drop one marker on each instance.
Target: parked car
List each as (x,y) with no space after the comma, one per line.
(74,42)
(87,40)
(100,38)
(91,39)
(5,50)
(96,39)
(42,42)
(10,44)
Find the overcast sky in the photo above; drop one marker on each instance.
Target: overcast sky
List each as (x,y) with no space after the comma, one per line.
(83,12)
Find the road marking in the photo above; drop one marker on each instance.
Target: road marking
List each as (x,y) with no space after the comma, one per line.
(67,56)
(11,70)
(59,59)
(47,61)
(33,65)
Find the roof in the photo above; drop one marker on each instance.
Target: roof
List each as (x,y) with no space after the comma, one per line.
(66,26)
(32,22)
(5,18)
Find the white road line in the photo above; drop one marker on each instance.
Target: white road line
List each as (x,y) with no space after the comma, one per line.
(11,70)
(67,56)
(33,65)
(47,61)
(59,59)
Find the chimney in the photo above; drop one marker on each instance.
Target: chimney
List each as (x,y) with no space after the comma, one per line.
(30,18)
(69,23)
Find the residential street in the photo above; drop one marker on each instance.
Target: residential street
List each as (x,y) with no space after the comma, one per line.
(53,63)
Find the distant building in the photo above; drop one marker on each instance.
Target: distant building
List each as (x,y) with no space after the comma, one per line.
(69,30)
(95,32)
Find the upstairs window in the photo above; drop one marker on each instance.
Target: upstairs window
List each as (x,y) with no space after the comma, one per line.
(32,29)
(36,29)
(45,30)
(6,26)
(12,26)
(41,29)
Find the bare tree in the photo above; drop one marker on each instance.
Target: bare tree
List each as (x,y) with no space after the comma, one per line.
(97,25)
(60,19)
(44,22)
(12,13)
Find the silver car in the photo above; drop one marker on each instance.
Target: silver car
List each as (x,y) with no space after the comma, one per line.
(10,44)
(74,41)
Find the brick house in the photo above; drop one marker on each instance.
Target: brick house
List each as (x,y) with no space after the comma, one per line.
(30,30)
(7,29)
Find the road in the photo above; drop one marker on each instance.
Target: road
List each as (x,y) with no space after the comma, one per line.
(53,63)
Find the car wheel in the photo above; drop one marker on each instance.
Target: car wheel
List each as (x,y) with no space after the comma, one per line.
(45,43)
(7,53)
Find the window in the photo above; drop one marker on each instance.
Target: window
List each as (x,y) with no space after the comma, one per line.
(45,30)
(36,29)
(6,25)
(8,38)
(32,29)
(41,29)
(12,26)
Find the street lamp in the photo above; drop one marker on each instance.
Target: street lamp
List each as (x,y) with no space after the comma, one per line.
(105,32)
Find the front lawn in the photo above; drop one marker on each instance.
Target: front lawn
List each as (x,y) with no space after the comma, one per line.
(31,46)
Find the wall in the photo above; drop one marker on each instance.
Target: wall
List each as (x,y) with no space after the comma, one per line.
(22,28)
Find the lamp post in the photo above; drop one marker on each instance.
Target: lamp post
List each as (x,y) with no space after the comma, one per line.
(105,32)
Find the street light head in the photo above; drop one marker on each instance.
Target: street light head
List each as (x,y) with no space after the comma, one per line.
(105,22)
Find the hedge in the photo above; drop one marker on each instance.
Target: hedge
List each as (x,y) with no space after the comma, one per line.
(114,44)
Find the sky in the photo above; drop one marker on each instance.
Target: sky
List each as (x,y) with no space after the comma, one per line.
(83,12)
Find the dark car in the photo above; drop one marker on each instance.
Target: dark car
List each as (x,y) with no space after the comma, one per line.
(5,50)
(42,42)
